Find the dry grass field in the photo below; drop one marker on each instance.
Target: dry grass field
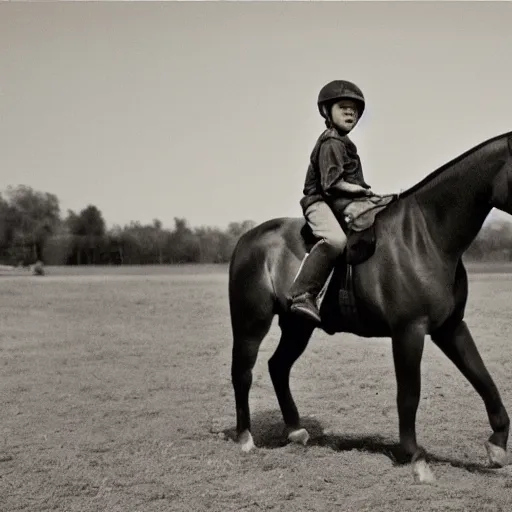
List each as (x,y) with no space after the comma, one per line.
(115,396)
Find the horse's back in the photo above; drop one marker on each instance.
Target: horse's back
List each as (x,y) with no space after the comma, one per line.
(267,257)
(271,236)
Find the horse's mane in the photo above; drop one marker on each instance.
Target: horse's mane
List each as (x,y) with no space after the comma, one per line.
(435,174)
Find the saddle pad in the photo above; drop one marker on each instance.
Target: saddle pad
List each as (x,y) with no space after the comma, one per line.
(361,212)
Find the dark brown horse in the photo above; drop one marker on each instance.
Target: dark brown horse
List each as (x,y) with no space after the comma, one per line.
(413,285)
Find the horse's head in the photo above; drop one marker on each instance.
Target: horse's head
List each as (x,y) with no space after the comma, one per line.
(501,194)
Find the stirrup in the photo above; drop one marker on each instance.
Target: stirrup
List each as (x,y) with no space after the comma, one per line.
(306,308)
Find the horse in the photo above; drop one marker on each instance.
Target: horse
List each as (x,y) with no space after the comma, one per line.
(411,283)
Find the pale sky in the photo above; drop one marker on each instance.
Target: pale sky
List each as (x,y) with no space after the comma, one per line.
(208,110)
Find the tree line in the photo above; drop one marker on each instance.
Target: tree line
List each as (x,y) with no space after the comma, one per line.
(32,228)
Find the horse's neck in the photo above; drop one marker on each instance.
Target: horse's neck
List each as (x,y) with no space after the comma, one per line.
(456,203)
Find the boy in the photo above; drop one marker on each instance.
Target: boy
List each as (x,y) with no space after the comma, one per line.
(334,177)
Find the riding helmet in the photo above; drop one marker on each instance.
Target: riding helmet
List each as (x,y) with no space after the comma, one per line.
(338,90)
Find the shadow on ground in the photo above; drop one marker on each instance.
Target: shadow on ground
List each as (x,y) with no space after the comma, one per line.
(269,432)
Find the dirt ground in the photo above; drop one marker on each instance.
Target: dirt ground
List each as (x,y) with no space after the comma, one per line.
(115,395)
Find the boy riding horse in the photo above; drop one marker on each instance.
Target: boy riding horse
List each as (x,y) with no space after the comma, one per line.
(334,179)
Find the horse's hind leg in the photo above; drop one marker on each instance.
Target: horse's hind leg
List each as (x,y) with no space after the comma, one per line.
(251,318)
(457,343)
(296,333)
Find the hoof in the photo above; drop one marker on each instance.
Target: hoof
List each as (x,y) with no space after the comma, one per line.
(299,436)
(422,472)
(498,457)
(246,441)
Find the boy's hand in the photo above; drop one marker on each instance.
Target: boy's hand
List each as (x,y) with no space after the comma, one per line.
(371,193)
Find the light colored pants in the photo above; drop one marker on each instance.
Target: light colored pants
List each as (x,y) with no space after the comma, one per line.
(325,226)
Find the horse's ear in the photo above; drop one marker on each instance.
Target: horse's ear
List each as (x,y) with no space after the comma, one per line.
(500,189)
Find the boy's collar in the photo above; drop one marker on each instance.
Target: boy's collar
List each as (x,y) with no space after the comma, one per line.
(341,134)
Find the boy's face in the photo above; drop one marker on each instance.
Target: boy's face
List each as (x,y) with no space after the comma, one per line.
(345,115)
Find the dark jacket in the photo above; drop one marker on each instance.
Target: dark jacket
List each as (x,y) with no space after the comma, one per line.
(334,159)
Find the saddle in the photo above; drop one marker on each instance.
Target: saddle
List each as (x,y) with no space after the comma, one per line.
(359,218)
(358,222)
(336,302)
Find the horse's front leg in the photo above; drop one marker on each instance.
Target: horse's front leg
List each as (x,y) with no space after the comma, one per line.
(457,343)
(408,343)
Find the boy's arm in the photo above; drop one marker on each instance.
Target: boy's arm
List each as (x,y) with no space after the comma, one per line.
(333,162)
(353,188)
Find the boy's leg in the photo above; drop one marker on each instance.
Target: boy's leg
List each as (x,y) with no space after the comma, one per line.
(319,263)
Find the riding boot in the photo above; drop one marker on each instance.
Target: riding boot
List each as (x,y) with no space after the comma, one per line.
(310,281)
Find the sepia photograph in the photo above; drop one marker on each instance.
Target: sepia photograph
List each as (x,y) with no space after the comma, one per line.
(255,256)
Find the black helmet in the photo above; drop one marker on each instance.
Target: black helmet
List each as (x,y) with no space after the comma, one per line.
(338,90)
